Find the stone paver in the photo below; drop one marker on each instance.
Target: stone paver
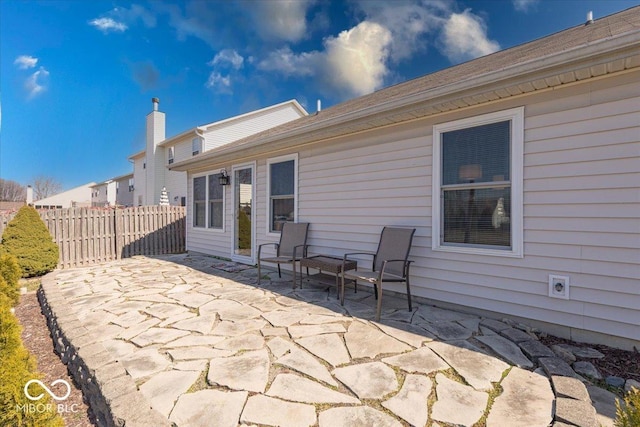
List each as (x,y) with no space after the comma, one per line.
(410,403)
(248,371)
(360,416)
(200,408)
(275,412)
(507,350)
(422,360)
(369,380)
(476,367)
(366,341)
(149,328)
(328,347)
(298,389)
(305,363)
(452,397)
(526,401)
(164,389)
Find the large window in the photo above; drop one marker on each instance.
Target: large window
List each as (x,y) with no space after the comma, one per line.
(282,191)
(478,184)
(208,202)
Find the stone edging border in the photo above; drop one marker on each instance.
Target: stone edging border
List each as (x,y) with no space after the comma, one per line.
(116,401)
(109,391)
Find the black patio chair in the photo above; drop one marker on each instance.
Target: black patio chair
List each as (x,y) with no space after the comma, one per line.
(390,263)
(291,248)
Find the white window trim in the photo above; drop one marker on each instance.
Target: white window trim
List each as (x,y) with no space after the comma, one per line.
(171,154)
(280,159)
(516,116)
(190,202)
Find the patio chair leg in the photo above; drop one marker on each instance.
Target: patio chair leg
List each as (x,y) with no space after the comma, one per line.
(409,293)
(279,272)
(259,277)
(379,293)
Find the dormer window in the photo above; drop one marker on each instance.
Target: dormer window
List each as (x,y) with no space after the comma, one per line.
(171,154)
(196,146)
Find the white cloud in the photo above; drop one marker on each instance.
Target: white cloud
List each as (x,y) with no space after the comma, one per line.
(289,63)
(357,58)
(219,83)
(36,83)
(107,25)
(228,57)
(353,63)
(524,5)
(24,62)
(465,37)
(283,20)
(407,20)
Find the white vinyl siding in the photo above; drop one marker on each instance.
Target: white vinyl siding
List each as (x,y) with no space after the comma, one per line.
(580,204)
(222,134)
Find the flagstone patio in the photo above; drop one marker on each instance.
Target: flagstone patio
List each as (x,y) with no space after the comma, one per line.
(155,341)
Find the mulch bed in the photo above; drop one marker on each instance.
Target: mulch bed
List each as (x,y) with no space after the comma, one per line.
(616,362)
(36,338)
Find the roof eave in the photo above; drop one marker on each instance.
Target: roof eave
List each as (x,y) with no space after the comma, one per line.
(607,49)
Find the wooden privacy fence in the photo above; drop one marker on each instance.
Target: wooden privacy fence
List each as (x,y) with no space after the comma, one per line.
(88,236)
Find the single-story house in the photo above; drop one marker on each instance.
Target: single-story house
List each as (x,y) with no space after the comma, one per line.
(520,171)
(150,173)
(77,197)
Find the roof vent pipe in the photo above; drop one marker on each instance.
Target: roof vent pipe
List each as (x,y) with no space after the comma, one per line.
(319,106)
(155,102)
(589,18)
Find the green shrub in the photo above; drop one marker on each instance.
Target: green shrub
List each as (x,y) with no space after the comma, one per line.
(27,238)
(10,272)
(629,414)
(17,367)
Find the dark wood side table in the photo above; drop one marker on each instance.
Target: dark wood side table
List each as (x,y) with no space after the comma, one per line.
(330,264)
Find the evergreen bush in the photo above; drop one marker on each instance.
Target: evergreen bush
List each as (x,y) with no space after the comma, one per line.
(10,272)
(17,367)
(27,238)
(628,415)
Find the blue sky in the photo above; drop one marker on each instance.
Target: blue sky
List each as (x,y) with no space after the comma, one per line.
(77,77)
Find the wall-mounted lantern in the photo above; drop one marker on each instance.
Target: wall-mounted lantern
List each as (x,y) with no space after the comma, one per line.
(223,178)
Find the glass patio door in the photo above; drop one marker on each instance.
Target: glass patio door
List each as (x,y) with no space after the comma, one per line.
(244,223)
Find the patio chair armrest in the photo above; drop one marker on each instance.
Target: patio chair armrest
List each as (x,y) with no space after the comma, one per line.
(275,245)
(346,257)
(406,262)
(304,251)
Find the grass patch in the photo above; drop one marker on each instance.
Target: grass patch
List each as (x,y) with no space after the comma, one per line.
(493,394)
(201,382)
(31,284)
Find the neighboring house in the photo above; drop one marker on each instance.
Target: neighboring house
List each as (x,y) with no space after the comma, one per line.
(150,166)
(124,190)
(103,194)
(515,168)
(75,198)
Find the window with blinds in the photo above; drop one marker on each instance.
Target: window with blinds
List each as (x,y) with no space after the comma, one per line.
(282,189)
(477,184)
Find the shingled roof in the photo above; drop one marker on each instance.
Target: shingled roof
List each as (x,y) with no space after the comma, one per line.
(609,44)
